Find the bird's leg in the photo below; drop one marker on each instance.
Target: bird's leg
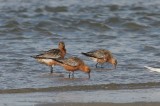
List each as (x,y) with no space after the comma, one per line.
(101,66)
(51,69)
(96,65)
(69,74)
(89,75)
(73,74)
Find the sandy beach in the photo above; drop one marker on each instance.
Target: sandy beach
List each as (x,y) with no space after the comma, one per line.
(132,97)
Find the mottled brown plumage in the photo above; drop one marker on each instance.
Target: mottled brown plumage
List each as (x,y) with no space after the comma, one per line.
(53,53)
(101,56)
(73,64)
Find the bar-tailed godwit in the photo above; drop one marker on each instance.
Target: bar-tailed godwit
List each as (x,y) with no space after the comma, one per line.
(73,64)
(53,53)
(101,56)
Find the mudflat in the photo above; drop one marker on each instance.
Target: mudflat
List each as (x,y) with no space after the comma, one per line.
(102,104)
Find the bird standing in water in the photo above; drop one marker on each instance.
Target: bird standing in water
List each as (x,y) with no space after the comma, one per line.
(53,53)
(101,56)
(73,64)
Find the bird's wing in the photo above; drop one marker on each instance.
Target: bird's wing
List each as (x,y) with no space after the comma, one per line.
(53,53)
(71,62)
(65,61)
(99,53)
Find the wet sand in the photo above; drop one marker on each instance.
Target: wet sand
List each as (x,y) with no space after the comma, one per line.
(102,104)
(134,97)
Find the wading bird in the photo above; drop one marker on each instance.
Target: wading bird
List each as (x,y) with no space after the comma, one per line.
(53,53)
(73,64)
(101,56)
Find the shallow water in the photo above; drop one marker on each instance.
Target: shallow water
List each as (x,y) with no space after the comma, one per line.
(130,29)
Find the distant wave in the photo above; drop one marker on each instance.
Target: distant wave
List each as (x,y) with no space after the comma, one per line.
(112,86)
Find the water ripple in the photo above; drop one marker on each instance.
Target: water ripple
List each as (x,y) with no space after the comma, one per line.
(129,29)
(112,86)
(55,9)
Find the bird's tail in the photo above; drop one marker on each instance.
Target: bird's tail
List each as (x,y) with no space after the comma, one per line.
(86,54)
(33,56)
(37,57)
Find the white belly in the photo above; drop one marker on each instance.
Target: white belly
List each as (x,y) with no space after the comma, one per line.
(94,59)
(45,61)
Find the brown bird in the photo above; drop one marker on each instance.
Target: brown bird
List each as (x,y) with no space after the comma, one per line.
(53,53)
(73,64)
(101,56)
